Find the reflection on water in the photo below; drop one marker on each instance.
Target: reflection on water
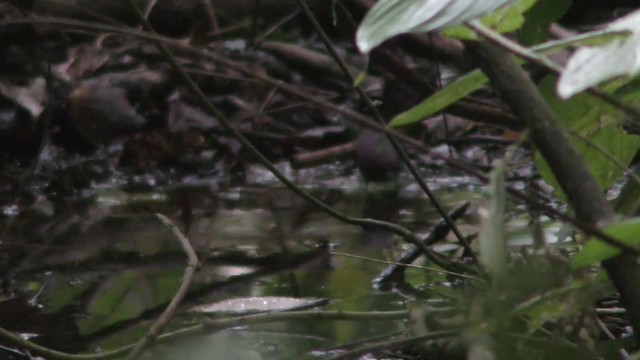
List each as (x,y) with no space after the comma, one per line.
(109,266)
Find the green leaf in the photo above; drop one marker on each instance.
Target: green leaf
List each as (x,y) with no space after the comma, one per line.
(504,20)
(598,122)
(628,202)
(560,303)
(595,250)
(127,295)
(590,66)
(394,17)
(362,75)
(539,18)
(465,85)
(65,296)
(592,38)
(440,100)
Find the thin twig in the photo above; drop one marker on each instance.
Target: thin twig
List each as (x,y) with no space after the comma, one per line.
(545,61)
(215,325)
(149,8)
(608,155)
(404,265)
(187,279)
(59,355)
(213,26)
(394,344)
(406,234)
(269,317)
(397,147)
(589,229)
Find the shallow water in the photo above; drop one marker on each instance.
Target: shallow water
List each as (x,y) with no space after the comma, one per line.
(108,266)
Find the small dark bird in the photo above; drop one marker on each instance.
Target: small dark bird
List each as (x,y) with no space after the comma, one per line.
(100,112)
(376,158)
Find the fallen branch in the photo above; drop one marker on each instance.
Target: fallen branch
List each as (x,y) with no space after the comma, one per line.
(187,279)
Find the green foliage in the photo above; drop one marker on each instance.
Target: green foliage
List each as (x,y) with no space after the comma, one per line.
(590,66)
(504,20)
(65,296)
(571,299)
(440,100)
(126,296)
(474,80)
(596,251)
(601,125)
(539,18)
(394,17)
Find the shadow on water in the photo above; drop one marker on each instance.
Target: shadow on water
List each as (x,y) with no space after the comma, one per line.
(97,275)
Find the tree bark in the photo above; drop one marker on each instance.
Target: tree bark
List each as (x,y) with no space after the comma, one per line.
(583,193)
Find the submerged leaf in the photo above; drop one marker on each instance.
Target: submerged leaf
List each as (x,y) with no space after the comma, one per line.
(259,304)
(598,127)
